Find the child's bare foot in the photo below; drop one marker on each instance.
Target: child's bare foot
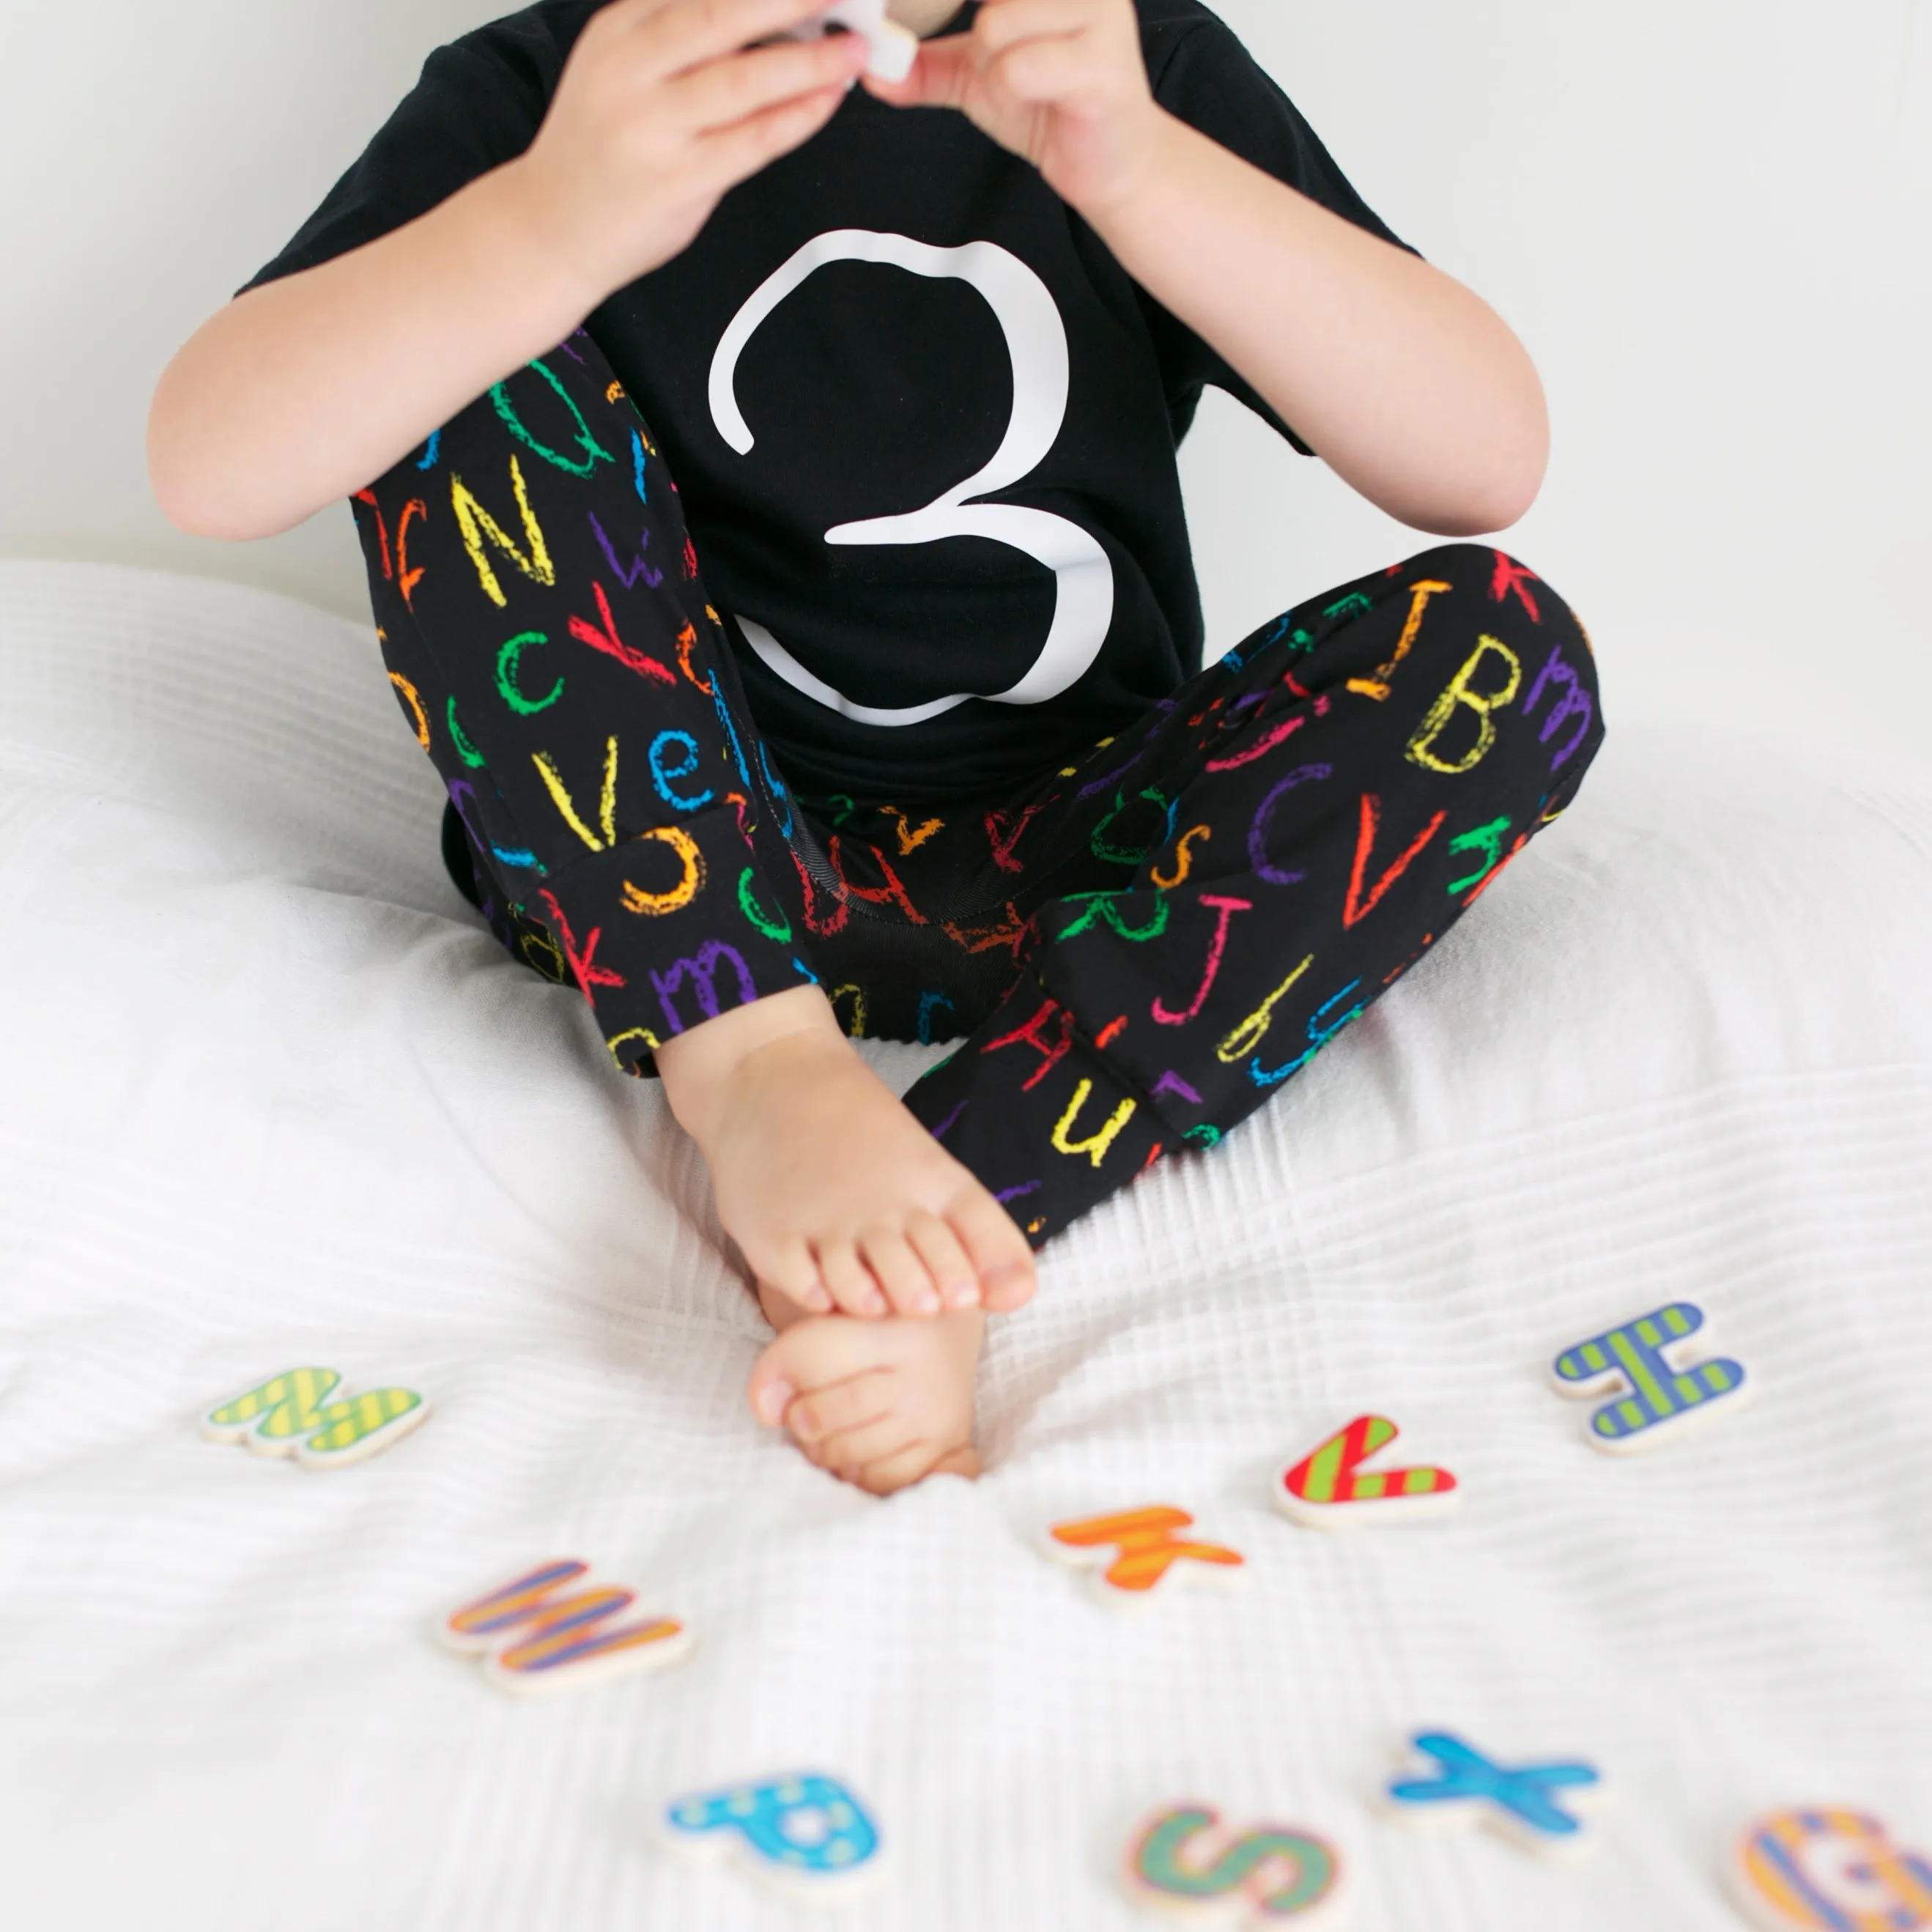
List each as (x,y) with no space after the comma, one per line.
(839,1198)
(880,1404)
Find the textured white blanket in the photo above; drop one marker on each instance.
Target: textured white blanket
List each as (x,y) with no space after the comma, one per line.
(272,1097)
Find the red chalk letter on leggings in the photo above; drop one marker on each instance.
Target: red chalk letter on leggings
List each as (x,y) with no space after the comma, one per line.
(1357,908)
(1050,1057)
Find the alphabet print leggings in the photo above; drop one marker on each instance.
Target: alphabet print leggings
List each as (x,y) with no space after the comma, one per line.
(1138,949)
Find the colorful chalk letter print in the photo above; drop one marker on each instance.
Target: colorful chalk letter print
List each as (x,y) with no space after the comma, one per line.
(1829,1870)
(807,1831)
(1654,1383)
(290,1414)
(1184,1861)
(536,1634)
(1466,1788)
(1329,1488)
(1133,1549)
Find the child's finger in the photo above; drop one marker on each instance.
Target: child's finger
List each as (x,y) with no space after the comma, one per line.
(946,1261)
(727,92)
(997,27)
(940,77)
(898,1269)
(848,1281)
(728,155)
(680,35)
(625,16)
(1056,69)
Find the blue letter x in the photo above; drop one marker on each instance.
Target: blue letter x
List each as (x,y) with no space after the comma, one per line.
(1467,1777)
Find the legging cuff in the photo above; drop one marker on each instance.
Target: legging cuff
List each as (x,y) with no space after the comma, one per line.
(624,926)
(1034,1109)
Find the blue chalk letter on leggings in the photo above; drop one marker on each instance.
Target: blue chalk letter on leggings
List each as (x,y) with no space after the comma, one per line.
(809,1825)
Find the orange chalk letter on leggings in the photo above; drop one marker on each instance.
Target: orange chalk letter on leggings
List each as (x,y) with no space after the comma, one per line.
(412,698)
(654,905)
(1377,686)
(1357,906)
(1147,1545)
(1184,859)
(406,579)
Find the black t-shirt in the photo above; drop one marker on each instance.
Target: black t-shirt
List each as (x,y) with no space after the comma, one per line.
(923,423)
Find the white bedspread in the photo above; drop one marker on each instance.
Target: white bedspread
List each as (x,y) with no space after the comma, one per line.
(271,1097)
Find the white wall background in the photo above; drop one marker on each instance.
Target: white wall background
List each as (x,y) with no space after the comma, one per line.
(1711,221)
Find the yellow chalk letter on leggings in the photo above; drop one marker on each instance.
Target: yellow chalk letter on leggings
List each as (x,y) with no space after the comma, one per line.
(1249,1034)
(606,801)
(1096,1146)
(476,523)
(1461,693)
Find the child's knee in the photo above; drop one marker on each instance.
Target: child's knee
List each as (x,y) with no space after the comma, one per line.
(1504,645)
(1515,601)
(562,417)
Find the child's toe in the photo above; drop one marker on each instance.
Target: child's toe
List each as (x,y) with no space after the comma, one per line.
(947,1262)
(896,1267)
(848,1280)
(998,1250)
(825,1413)
(852,1451)
(770,1394)
(792,1274)
(1009,1284)
(898,1469)
(809,1356)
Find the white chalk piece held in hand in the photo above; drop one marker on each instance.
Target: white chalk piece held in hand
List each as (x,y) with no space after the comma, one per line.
(893,48)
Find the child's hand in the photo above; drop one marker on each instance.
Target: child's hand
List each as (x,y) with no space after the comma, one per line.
(663,105)
(1059,82)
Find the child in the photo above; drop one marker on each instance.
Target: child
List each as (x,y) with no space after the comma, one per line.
(810,644)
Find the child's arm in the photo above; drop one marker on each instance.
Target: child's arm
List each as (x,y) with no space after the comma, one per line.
(1409,386)
(302,391)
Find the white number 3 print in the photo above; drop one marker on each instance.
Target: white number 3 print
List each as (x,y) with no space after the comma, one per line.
(1037,344)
